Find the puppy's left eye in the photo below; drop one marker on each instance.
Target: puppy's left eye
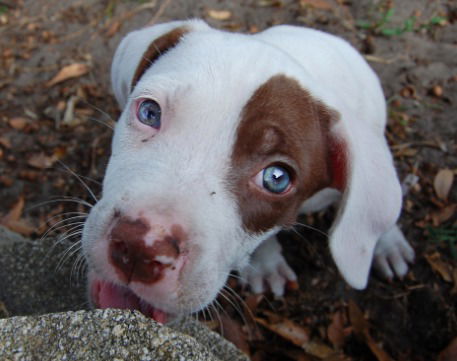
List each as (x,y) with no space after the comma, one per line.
(149,113)
(275,179)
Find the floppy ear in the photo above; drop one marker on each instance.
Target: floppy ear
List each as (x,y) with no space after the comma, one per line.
(140,49)
(363,170)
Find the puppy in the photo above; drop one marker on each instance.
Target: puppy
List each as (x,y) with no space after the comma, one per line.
(224,138)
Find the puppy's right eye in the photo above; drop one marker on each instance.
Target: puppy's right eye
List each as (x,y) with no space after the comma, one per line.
(149,113)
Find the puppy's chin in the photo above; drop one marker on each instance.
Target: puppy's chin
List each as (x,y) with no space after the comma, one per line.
(105,294)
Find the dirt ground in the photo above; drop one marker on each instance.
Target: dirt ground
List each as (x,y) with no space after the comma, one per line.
(53,128)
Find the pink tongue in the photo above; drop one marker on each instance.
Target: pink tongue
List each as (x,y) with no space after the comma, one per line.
(107,295)
(111,296)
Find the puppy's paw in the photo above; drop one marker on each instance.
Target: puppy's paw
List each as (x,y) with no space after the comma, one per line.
(392,254)
(268,269)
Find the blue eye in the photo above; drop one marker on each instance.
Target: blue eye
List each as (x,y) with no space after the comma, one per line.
(149,113)
(275,179)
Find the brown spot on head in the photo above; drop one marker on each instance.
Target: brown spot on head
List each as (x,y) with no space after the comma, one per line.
(280,124)
(157,48)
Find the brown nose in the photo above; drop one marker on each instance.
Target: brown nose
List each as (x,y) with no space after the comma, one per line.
(133,259)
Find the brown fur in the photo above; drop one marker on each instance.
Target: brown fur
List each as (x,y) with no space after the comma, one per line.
(280,124)
(132,259)
(157,48)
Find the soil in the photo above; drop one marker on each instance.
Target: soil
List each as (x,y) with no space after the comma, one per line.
(54,136)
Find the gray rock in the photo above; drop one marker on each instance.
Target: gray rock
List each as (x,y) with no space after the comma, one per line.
(105,335)
(32,282)
(34,279)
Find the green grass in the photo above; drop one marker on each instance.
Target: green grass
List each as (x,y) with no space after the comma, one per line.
(383,27)
(445,235)
(3,9)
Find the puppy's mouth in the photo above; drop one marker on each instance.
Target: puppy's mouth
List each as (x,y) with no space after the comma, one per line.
(107,295)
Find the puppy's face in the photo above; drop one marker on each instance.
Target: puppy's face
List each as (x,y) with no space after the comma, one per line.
(210,156)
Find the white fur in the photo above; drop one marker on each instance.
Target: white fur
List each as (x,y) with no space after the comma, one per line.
(180,172)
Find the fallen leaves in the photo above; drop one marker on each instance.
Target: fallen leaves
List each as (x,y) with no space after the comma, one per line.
(42,161)
(317,4)
(233,331)
(286,328)
(18,123)
(336,331)
(68,72)
(361,329)
(443,183)
(220,14)
(439,266)
(297,334)
(13,221)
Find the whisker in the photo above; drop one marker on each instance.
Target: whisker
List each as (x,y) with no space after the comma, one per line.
(66,255)
(215,305)
(78,267)
(100,111)
(56,226)
(90,179)
(99,121)
(311,228)
(62,200)
(234,302)
(79,179)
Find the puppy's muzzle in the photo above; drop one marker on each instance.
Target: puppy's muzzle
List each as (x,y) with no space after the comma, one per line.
(137,259)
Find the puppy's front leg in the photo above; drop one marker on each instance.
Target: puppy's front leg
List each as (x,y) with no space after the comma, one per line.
(268,268)
(392,254)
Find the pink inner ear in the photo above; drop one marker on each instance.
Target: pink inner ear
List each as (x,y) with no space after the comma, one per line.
(338,164)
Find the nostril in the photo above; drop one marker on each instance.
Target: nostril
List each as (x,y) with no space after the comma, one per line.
(120,251)
(134,259)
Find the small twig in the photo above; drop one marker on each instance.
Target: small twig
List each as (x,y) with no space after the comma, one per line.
(159,12)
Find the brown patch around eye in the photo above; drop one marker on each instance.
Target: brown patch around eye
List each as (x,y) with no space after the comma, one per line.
(157,48)
(280,121)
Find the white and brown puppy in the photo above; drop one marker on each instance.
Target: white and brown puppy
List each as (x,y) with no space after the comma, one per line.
(224,138)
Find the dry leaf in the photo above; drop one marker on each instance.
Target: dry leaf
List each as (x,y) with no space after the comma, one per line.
(270,3)
(12,220)
(443,214)
(450,352)
(359,324)
(287,329)
(15,213)
(437,91)
(317,4)
(380,354)
(220,14)
(6,142)
(113,28)
(454,279)
(22,227)
(232,331)
(443,183)
(3,310)
(18,123)
(67,72)
(318,349)
(335,330)
(362,331)
(296,354)
(252,302)
(440,267)
(41,161)
(298,335)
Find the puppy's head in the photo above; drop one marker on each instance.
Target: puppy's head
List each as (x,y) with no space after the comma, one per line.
(217,147)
